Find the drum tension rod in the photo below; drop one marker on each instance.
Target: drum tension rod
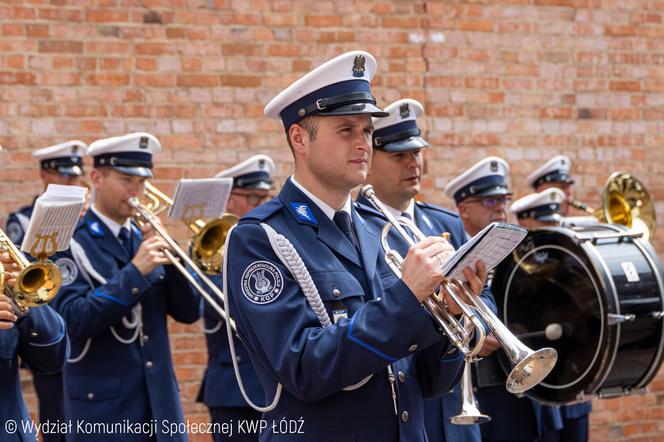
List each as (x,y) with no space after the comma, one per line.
(615,318)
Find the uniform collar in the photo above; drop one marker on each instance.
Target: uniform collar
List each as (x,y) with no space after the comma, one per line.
(112,225)
(323,206)
(410,210)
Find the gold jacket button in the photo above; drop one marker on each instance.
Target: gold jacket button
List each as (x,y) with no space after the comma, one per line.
(405,416)
(336,293)
(91,396)
(402,376)
(149,364)
(135,291)
(412,348)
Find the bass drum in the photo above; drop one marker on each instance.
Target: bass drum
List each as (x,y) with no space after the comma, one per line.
(593,293)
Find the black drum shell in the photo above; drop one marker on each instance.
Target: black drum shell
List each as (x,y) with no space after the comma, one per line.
(561,276)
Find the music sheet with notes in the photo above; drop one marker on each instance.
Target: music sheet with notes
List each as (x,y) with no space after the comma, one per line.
(54,219)
(491,245)
(203,198)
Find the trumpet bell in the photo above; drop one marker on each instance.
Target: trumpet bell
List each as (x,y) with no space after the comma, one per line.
(206,247)
(470,417)
(531,370)
(37,284)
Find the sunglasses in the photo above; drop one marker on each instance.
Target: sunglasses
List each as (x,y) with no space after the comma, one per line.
(491,201)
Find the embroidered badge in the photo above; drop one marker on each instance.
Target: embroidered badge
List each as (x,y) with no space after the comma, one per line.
(303,212)
(143,142)
(14,231)
(68,270)
(95,229)
(358,66)
(262,282)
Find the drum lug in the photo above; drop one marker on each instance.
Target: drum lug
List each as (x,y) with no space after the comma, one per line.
(613,392)
(615,318)
(657,315)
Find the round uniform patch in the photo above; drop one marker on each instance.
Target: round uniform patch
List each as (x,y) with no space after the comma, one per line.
(262,282)
(14,231)
(68,270)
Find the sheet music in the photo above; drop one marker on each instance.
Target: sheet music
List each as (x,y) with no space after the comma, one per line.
(200,198)
(54,219)
(491,245)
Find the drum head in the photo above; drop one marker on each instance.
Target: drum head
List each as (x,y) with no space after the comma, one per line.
(554,299)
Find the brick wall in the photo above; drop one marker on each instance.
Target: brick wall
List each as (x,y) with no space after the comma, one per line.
(522,79)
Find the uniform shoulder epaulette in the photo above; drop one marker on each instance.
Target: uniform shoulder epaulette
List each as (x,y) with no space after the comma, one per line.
(262,212)
(438,209)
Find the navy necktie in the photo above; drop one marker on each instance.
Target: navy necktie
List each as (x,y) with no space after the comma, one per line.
(125,238)
(342,219)
(407,215)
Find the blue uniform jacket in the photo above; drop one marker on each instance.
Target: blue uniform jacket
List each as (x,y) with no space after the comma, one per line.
(433,221)
(219,387)
(374,326)
(39,338)
(17,224)
(103,294)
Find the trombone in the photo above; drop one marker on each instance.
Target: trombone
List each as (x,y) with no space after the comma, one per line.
(158,202)
(37,283)
(529,367)
(625,201)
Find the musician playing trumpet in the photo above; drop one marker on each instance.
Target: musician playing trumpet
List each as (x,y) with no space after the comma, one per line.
(396,174)
(117,291)
(39,338)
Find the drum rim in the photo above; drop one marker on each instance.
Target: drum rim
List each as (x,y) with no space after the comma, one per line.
(656,266)
(598,346)
(606,275)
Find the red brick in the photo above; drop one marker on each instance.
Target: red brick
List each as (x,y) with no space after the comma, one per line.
(60,46)
(625,85)
(197,80)
(322,21)
(17,78)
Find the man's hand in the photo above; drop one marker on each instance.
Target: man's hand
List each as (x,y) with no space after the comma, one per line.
(490,345)
(11,269)
(421,270)
(7,315)
(150,254)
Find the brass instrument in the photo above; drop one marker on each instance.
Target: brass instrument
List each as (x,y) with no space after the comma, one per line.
(529,367)
(207,244)
(37,283)
(625,201)
(469,412)
(158,202)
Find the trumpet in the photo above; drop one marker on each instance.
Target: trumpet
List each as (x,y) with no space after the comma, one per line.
(529,367)
(144,214)
(37,283)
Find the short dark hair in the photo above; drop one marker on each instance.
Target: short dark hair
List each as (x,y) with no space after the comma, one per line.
(310,124)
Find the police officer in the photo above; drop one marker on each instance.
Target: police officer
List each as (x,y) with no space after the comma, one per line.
(554,173)
(395,173)
(117,291)
(539,209)
(482,194)
(59,164)
(252,183)
(348,358)
(39,338)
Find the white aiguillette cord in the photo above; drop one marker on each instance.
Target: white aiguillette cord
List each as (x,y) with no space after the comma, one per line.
(289,257)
